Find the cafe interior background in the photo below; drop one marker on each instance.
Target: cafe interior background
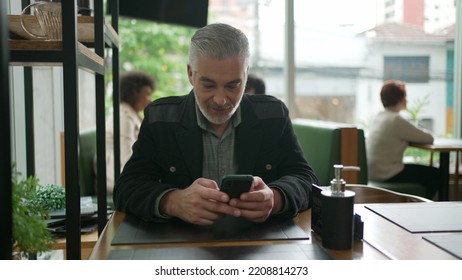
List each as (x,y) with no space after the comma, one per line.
(327,64)
(342,52)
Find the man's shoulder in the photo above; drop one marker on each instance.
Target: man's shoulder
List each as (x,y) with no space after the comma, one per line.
(164,102)
(165,109)
(267,106)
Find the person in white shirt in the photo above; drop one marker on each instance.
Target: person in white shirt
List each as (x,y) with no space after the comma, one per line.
(389,137)
(136,89)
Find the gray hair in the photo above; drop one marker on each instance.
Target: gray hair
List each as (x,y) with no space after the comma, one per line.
(218,41)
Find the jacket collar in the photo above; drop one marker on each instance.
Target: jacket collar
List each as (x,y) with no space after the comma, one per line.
(248,137)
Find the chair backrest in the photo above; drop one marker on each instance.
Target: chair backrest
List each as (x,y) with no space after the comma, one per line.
(87,151)
(327,143)
(372,194)
(321,146)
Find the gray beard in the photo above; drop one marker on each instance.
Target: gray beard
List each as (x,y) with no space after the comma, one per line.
(214,120)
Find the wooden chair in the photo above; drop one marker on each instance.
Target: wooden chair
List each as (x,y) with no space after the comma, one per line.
(87,151)
(86,156)
(372,194)
(327,143)
(87,175)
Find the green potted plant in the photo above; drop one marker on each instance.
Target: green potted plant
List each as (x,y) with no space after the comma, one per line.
(51,197)
(413,154)
(416,107)
(30,234)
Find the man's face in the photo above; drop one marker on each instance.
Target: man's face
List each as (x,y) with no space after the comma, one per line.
(218,87)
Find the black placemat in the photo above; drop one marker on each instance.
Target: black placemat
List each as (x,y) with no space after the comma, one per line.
(451,243)
(135,231)
(421,217)
(263,252)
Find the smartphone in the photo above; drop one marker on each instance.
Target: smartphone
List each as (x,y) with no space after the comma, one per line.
(235,185)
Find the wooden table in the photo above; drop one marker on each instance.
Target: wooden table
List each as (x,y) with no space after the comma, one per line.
(395,242)
(443,146)
(88,241)
(382,240)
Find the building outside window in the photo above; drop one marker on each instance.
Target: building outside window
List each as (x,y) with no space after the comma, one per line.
(344,50)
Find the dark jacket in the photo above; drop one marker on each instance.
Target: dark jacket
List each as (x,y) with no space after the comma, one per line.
(168,153)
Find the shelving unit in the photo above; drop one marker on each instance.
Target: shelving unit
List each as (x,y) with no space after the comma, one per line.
(5,140)
(71,55)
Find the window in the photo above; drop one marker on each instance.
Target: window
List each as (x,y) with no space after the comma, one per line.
(409,69)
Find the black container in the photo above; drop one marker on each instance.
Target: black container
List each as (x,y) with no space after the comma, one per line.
(337,219)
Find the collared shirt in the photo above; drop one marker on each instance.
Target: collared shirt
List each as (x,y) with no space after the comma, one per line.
(219,157)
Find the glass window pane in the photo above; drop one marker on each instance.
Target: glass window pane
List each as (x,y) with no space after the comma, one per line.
(344,50)
(407,68)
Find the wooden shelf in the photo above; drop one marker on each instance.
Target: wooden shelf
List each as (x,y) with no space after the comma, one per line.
(111,35)
(81,50)
(50,53)
(34,45)
(85,29)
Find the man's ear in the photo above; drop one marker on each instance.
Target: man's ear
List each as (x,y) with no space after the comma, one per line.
(190,75)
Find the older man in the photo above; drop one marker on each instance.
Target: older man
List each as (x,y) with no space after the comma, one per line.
(187,143)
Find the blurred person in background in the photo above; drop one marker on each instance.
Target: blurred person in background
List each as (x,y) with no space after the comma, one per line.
(388,138)
(255,85)
(136,90)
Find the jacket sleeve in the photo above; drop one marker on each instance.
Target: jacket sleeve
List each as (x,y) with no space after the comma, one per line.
(296,176)
(280,160)
(138,188)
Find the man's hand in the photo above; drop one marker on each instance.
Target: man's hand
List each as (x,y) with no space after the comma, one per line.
(201,203)
(258,204)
